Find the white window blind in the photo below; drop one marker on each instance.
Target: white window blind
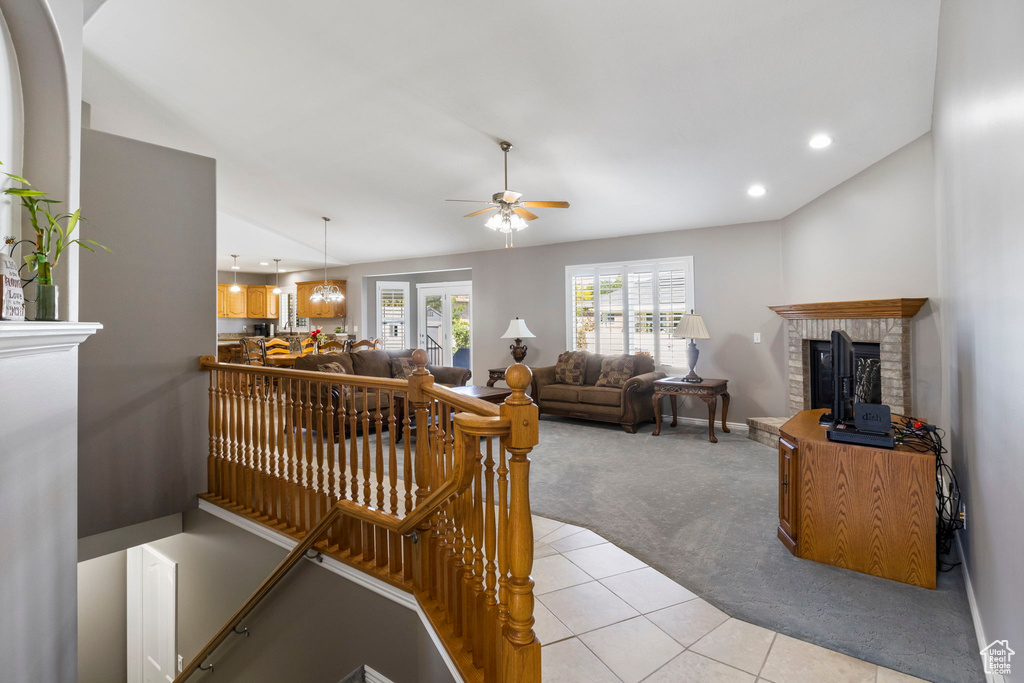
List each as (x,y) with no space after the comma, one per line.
(632,307)
(393,314)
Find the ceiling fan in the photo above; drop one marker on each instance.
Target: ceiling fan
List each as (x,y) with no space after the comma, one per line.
(511,216)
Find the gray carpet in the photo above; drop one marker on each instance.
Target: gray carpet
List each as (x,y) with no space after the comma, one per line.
(706,515)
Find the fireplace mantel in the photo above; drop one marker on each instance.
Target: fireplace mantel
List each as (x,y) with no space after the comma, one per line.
(849,310)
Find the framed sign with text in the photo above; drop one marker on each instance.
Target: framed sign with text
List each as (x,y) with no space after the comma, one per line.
(13,297)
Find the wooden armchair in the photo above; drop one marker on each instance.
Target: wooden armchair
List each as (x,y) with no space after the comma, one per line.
(374,344)
(254,352)
(332,345)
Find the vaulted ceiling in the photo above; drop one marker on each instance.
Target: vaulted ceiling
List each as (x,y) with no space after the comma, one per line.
(645,116)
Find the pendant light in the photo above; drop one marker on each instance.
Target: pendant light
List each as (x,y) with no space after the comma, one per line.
(326,292)
(234,287)
(277,270)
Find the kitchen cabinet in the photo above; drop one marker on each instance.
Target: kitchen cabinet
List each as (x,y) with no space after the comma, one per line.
(231,304)
(253,301)
(304,308)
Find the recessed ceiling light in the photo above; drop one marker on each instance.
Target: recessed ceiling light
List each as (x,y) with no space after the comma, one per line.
(756,190)
(264,263)
(820,141)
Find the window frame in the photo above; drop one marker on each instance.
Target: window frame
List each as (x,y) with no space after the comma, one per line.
(625,269)
(407,319)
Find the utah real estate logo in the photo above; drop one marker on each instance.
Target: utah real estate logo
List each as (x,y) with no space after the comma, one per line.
(996,657)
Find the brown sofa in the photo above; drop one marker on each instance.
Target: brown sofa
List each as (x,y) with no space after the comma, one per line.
(628,405)
(375,363)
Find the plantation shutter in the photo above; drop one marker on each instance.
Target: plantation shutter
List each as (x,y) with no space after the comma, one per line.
(582,292)
(393,314)
(672,297)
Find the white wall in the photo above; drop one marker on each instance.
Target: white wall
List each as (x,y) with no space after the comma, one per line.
(873,237)
(979,153)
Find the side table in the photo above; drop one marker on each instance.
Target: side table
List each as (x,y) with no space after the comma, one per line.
(495,375)
(707,390)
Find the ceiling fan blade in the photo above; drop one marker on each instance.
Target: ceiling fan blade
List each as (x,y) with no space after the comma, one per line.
(511,197)
(550,205)
(477,213)
(471,201)
(526,214)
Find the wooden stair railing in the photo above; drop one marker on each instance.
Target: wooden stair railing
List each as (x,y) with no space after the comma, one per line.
(427,490)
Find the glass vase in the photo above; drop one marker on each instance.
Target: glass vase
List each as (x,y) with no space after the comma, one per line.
(46,302)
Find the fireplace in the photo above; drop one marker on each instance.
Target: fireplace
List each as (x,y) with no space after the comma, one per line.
(868,373)
(880,330)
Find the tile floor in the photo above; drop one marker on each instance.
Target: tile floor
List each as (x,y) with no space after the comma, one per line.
(604,616)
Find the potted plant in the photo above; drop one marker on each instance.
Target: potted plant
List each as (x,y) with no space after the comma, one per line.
(53,235)
(317,335)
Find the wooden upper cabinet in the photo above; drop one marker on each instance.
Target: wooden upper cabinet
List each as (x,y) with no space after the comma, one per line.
(253,301)
(304,308)
(256,301)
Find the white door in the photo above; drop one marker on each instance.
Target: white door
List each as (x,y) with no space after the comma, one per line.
(444,323)
(393,315)
(152,616)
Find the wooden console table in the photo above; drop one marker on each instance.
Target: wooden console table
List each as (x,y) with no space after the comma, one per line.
(707,390)
(857,507)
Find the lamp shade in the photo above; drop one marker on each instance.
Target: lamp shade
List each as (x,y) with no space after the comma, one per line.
(691,327)
(517,329)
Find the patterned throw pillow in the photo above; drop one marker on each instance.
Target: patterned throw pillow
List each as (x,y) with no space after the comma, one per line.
(336,368)
(402,368)
(615,371)
(570,367)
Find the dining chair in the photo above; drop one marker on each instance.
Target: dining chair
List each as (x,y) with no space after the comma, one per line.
(254,352)
(371,344)
(308,347)
(332,345)
(277,347)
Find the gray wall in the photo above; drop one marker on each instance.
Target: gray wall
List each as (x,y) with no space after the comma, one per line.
(736,274)
(315,626)
(979,138)
(369,302)
(38,394)
(142,430)
(873,237)
(102,619)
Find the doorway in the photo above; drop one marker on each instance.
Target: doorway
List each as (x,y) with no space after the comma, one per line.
(445,326)
(152,616)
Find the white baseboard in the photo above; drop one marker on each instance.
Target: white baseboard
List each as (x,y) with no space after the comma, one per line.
(666,420)
(979,629)
(381,588)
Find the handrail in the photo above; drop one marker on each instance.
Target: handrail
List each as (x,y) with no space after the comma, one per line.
(261,592)
(469,404)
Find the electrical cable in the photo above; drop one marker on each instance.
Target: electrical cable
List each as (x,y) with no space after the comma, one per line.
(924,438)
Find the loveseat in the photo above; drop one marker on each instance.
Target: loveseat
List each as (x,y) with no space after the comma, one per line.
(580,397)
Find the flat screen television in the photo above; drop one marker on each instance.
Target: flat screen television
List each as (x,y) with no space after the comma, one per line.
(844,364)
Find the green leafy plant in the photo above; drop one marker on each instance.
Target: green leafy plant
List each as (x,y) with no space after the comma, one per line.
(460,326)
(53,230)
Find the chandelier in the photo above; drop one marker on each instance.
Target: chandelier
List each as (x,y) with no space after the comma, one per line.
(326,292)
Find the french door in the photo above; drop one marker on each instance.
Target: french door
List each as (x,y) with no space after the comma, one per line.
(444,323)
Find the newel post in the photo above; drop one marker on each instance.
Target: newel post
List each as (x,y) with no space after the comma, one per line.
(419,402)
(520,650)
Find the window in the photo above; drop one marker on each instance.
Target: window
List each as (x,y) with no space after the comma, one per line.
(393,314)
(616,308)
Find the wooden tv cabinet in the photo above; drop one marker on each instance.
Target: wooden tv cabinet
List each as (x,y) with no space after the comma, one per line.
(858,507)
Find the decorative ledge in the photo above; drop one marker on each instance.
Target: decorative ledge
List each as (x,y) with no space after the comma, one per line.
(845,310)
(33,337)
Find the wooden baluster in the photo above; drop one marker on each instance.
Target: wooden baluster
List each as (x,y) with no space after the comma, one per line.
(280,449)
(293,442)
(236,432)
(248,434)
(394,540)
(381,543)
(418,381)
(259,445)
(368,549)
(211,459)
(307,461)
(298,453)
(475,589)
(316,507)
(221,428)
(343,523)
(520,656)
(446,518)
(268,454)
(456,542)
(407,482)
(502,545)
(488,621)
(329,496)
(355,527)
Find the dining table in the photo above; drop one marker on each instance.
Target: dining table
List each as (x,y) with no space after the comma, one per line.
(282,360)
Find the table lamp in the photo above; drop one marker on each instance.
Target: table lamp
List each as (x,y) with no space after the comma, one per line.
(691,327)
(518,330)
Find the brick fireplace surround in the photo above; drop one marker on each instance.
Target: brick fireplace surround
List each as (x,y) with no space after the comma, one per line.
(886,322)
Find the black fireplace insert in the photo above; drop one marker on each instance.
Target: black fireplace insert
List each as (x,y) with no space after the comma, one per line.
(869,373)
